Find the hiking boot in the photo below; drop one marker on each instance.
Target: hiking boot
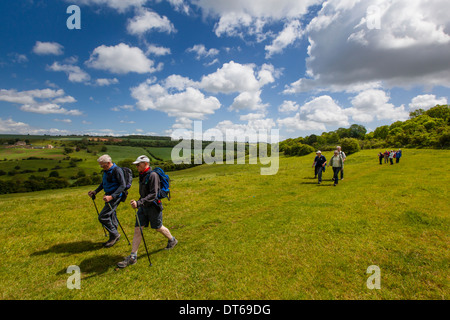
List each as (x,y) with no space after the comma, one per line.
(111,242)
(128,261)
(171,243)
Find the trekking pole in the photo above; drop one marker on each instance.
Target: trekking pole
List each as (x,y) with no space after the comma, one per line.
(119,223)
(93,200)
(142,234)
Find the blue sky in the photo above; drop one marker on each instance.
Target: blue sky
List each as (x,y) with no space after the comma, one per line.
(155,66)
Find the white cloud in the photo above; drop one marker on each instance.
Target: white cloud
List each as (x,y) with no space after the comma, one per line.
(411,46)
(189,103)
(232,77)
(288,106)
(120,59)
(324,109)
(239,18)
(74,73)
(202,52)
(249,100)
(426,102)
(374,104)
(46,101)
(157,51)
(296,123)
(49,108)
(147,21)
(292,31)
(102,82)
(48,48)
(10,126)
(119,5)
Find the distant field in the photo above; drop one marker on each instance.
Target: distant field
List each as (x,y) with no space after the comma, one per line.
(163,153)
(246,236)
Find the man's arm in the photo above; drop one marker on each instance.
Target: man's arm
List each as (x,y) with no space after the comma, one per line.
(153,187)
(120,177)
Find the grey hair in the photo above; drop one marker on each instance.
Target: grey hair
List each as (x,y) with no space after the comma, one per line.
(104,159)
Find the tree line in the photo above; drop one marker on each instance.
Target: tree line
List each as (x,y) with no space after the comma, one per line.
(424,129)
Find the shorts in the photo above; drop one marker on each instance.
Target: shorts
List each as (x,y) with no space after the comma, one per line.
(150,215)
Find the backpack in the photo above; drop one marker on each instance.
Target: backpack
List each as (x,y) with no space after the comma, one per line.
(128,176)
(164,183)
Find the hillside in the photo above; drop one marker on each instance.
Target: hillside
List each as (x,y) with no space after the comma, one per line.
(246,236)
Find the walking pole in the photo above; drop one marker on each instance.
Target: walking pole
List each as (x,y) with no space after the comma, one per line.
(119,223)
(142,234)
(93,200)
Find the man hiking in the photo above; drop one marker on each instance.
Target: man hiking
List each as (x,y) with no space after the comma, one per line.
(113,183)
(149,209)
(337,163)
(319,162)
(343,156)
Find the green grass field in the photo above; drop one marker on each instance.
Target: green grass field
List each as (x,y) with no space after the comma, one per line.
(246,236)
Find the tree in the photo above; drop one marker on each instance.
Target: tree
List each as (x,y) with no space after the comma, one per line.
(349,145)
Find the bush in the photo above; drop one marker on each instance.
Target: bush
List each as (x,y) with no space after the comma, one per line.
(349,145)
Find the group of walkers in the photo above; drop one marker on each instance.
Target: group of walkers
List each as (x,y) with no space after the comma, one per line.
(389,156)
(336,162)
(149,207)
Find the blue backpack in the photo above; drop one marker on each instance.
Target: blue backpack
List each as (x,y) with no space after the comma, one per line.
(164,184)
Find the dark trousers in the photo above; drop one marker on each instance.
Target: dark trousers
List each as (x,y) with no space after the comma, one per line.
(319,173)
(336,174)
(381,160)
(342,173)
(391,160)
(397,160)
(108,217)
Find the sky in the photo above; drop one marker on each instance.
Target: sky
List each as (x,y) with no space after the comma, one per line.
(154,67)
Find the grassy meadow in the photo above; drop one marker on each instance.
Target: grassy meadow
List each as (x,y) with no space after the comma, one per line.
(246,236)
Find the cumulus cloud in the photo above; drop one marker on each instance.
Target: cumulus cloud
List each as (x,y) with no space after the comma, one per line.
(119,5)
(188,103)
(292,31)
(147,21)
(120,59)
(288,106)
(74,73)
(315,115)
(201,51)
(48,48)
(426,102)
(102,82)
(400,44)
(10,126)
(239,18)
(46,101)
(374,104)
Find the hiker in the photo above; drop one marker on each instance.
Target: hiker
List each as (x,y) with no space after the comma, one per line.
(391,156)
(319,163)
(315,167)
(113,183)
(380,157)
(149,209)
(386,156)
(398,155)
(343,156)
(336,162)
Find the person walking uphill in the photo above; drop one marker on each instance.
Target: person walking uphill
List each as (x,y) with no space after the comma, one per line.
(319,162)
(149,209)
(113,183)
(337,163)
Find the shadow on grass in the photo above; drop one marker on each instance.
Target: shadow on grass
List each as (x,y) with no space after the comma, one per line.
(71,248)
(96,266)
